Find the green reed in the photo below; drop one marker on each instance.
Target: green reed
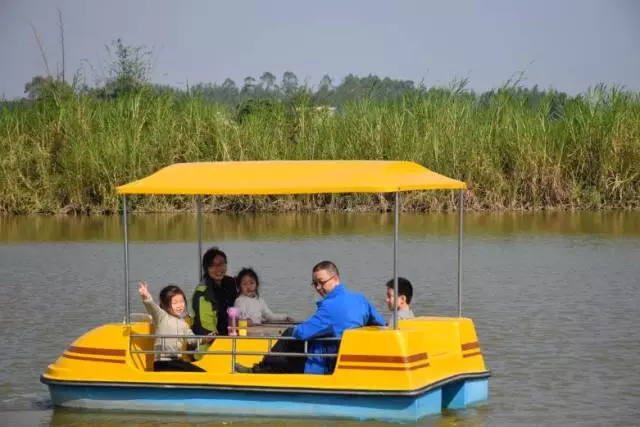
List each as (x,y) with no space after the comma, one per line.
(68,155)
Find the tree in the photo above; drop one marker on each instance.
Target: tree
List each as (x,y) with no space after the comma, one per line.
(249,86)
(129,70)
(289,82)
(325,82)
(36,88)
(323,95)
(40,88)
(267,80)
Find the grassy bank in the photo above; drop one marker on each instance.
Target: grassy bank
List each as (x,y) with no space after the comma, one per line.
(67,154)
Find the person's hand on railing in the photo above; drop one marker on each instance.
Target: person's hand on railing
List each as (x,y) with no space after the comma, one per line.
(143,290)
(209,340)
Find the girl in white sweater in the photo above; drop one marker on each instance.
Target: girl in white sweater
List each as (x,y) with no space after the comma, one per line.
(252,307)
(168,319)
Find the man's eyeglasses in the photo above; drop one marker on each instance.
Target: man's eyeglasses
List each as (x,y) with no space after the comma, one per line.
(320,283)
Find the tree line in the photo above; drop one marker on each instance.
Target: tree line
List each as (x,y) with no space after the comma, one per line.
(128,72)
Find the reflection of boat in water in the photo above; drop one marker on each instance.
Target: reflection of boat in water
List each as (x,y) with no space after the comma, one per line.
(61,417)
(414,368)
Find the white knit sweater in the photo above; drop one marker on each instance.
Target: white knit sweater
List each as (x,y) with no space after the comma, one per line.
(256,310)
(166,324)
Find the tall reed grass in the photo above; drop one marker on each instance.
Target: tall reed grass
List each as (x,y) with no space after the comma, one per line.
(67,155)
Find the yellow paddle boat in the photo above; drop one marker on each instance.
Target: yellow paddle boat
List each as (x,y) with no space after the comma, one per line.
(403,372)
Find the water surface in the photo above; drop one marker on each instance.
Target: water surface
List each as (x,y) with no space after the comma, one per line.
(554,297)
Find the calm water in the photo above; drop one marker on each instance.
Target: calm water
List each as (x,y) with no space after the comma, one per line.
(554,297)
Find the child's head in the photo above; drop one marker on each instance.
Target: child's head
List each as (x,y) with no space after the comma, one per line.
(405,293)
(173,301)
(214,264)
(247,282)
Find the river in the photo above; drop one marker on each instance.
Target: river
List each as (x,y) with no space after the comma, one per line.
(554,296)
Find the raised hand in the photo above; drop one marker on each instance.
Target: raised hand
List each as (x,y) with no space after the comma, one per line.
(143,290)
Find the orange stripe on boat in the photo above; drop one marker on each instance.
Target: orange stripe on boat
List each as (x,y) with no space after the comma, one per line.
(97,351)
(92,359)
(475,353)
(470,345)
(384,368)
(383,359)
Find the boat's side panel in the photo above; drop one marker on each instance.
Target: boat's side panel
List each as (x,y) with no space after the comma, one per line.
(422,351)
(176,400)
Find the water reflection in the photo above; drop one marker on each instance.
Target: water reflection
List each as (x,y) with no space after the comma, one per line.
(469,417)
(220,227)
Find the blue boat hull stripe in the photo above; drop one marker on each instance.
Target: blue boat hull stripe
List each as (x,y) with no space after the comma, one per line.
(451,396)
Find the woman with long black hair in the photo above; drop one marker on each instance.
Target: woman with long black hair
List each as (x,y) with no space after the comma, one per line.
(215,293)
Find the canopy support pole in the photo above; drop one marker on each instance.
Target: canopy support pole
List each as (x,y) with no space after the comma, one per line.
(460,226)
(127,307)
(396,222)
(199,214)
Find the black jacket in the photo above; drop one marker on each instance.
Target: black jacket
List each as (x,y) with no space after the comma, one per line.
(221,296)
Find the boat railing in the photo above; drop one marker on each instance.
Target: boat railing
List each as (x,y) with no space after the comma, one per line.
(234,352)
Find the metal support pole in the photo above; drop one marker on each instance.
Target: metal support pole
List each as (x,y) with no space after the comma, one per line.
(199,214)
(396,224)
(233,354)
(460,226)
(127,307)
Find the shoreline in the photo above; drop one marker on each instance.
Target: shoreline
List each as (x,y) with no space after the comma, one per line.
(322,210)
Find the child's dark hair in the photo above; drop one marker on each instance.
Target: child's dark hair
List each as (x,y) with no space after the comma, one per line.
(208,257)
(166,295)
(248,271)
(404,288)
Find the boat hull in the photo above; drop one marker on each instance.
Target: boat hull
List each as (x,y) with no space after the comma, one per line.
(455,394)
(427,365)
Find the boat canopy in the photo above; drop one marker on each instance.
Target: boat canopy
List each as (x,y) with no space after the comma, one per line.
(266,177)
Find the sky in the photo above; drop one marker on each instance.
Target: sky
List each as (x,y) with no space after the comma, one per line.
(569,45)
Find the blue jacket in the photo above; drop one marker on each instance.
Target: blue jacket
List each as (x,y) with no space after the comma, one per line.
(340,310)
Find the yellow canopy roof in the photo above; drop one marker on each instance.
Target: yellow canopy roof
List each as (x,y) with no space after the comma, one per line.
(290,177)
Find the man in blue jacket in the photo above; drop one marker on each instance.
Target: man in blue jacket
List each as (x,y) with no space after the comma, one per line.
(338,310)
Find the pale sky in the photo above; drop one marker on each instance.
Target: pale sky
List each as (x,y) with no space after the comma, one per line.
(566,44)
